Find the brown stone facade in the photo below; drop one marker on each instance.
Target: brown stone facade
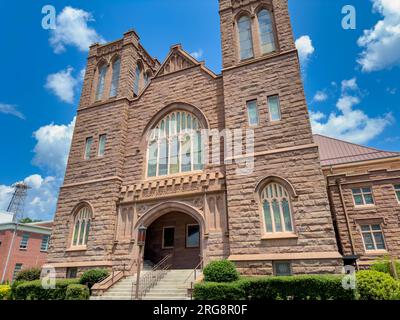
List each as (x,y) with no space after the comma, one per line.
(224,203)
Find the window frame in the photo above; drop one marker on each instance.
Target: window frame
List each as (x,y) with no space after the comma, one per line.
(44,246)
(255,101)
(163,238)
(88,150)
(15,272)
(263,199)
(279,108)
(251,37)
(275,263)
(371,232)
(83,214)
(159,139)
(23,245)
(101,82)
(103,149)
(273,29)
(115,78)
(138,78)
(187,235)
(397,192)
(364,204)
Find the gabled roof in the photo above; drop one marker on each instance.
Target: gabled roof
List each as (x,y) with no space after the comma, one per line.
(333,151)
(178,59)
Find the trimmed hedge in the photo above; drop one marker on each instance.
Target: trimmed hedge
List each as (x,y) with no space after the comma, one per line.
(91,277)
(315,287)
(384,265)
(28,275)
(221,271)
(77,292)
(375,285)
(33,290)
(5,292)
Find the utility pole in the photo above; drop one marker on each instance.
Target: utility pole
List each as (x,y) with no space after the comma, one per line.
(16,208)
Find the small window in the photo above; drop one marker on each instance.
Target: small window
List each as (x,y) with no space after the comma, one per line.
(17,269)
(81,227)
(72,273)
(116,67)
(245,38)
(136,85)
(101,82)
(168,237)
(24,242)
(363,196)
(45,243)
(397,190)
(88,146)
(192,236)
(282,269)
(252,112)
(373,237)
(274,108)
(102,144)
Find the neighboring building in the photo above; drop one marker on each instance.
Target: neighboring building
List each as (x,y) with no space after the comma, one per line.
(121,174)
(364,191)
(22,246)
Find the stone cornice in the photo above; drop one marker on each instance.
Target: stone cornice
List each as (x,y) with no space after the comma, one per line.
(286,256)
(90,182)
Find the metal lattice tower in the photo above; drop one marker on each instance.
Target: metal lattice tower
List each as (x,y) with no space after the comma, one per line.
(17,203)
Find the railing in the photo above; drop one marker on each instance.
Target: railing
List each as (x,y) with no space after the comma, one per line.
(194,273)
(151,278)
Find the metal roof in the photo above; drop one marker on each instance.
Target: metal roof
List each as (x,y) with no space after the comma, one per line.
(333,151)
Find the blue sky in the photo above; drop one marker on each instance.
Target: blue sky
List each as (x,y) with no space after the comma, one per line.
(349,98)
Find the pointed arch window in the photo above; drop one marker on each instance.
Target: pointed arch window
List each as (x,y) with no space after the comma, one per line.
(101,82)
(138,75)
(116,68)
(245,38)
(276,209)
(81,227)
(175,145)
(266,31)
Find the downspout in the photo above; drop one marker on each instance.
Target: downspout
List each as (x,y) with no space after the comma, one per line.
(346,216)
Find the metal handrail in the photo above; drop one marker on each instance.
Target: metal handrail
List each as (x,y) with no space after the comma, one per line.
(151,278)
(194,271)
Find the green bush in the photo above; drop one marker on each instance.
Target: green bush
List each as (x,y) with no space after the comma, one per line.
(28,275)
(5,292)
(33,290)
(91,277)
(77,292)
(384,265)
(220,271)
(375,285)
(276,288)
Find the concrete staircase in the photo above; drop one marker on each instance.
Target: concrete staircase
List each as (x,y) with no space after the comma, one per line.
(174,286)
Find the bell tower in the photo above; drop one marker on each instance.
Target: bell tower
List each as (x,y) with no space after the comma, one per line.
(263,92)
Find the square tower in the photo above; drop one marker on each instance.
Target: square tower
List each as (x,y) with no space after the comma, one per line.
(279,217)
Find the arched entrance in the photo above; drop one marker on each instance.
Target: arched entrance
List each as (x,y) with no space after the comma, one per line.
(174,233)
(176,228)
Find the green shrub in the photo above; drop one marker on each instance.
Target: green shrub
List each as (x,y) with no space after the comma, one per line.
(384,265)
(219,291)
(276,288)
(5,292)
(91,277)
(33,290)
(220,271)
(375,285)
(77,292)
(28,275)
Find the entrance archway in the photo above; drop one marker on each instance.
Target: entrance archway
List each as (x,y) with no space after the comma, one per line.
(175,233)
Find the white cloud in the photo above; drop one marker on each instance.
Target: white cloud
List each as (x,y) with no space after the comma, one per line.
(381,44)
(52,147)
(5,196)
(72,30)
(63,84)
(197,54)
(320,96)
(349,123)
(12,110)
(350,84)
(305,48)
(391,90)
(34,181)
